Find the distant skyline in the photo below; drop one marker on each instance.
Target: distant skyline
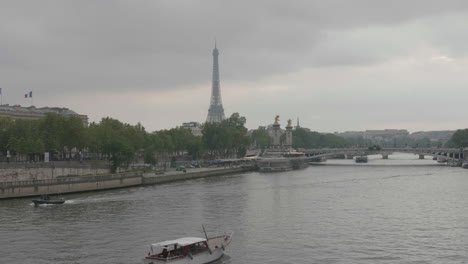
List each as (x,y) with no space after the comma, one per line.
(337,65)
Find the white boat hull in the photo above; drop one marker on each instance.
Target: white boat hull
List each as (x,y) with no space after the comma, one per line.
(201,258)
(217,246)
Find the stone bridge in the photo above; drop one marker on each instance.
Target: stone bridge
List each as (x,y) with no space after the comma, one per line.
(455,154)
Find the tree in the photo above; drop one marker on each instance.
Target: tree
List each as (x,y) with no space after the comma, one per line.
(6,130)
(74,134)
(227,138)
(113,138)
(261,138)
(459,139)
(52,128)
(309,139)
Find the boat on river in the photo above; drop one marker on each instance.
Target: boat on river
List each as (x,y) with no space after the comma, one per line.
(45,199)
(465,165)
(280,161)
(193,250)
(361,159)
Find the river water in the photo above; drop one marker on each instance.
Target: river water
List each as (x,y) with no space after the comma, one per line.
(401,210)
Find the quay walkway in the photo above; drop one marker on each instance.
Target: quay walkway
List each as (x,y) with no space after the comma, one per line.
(64,185)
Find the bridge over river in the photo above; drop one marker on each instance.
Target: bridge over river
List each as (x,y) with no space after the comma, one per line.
(446,154)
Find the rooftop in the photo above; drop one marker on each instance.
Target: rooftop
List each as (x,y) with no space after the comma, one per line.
(181,242)
(33,110)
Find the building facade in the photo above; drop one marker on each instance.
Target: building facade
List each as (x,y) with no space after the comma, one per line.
(16,112)
(194,127)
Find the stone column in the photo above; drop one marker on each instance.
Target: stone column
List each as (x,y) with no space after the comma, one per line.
(465,154)
(276,135)
(289,136)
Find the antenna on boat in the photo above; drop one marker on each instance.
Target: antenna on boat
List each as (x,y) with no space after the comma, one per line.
(204,231)
(206,236)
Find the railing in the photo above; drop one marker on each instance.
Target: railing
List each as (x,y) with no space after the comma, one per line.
(67,180)
(54,164)
(449,153)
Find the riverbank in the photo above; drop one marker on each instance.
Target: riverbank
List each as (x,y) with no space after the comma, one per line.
(64,185)
(20,171)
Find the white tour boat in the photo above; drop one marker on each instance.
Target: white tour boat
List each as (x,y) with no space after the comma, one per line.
(193,250)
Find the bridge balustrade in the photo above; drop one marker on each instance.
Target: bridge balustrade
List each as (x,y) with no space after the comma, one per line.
(449,153)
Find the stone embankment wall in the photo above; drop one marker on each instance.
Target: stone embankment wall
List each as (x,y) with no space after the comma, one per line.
(68,185)
(11,172)
(152,178)
(103,182)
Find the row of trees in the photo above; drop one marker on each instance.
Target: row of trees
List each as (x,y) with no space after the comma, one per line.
(395,142)
(119,142)
(303,138)
(51,133)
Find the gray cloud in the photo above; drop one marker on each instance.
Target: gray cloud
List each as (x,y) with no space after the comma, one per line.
(72,48)
(157,45)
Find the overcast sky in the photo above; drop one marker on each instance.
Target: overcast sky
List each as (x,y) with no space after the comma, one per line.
(337,65)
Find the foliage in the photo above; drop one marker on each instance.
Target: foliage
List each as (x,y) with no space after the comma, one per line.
(395,142)
(261,138)
(459,139)
(121,143)
(303,138)
(24,137)
(227,138)
(116,140)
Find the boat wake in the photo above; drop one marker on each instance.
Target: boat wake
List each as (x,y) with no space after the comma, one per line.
(42,205)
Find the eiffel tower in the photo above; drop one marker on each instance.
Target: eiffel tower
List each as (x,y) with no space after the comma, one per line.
(216,110)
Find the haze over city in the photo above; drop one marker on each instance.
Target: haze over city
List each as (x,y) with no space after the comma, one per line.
(337,65)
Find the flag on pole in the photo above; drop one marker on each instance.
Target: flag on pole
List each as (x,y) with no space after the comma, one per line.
(0,91)
(30,94)
(25,95)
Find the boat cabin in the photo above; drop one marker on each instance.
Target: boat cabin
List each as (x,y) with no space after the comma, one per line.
(44,197)
(177,249)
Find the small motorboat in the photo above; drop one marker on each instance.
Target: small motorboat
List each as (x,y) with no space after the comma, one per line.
(45,199)
(465,165)
(361,159)
(193,250)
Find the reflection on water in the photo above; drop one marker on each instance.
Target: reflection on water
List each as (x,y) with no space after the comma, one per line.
(323,214)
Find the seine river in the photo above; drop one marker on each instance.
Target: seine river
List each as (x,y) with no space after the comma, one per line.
(401,210)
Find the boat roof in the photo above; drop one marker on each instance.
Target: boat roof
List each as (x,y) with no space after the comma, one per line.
(184,241)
